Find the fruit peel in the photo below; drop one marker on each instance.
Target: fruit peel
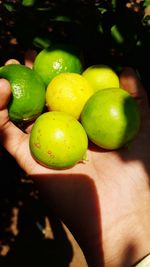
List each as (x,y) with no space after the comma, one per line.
(28,92)
(101,76)
(111,118)
(58,140)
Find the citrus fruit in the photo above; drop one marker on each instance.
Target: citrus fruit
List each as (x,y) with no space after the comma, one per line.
(101,77)
(28,92)
(68,92)
(58,140)
(111,118)
(57,59)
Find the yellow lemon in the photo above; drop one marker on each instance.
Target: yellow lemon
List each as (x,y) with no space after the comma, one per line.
(101,77)
(68,92)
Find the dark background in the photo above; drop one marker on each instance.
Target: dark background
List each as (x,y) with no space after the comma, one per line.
(111,32)
(116,33)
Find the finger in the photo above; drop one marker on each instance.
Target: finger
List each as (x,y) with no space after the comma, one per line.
(12,61)
(29,57)
(9,133)
(28,129)
(27,126)
(130,81)
(5,93)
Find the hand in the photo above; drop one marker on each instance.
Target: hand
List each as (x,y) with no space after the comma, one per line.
(105,202)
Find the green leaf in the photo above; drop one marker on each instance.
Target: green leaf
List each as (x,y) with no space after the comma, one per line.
(116,35)
(114,3)
(146,21)
(102,10)
(62,19)
(41,42)
(146,3)
(9,7)
(28,3)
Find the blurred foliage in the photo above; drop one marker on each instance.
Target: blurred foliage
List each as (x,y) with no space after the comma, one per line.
(114,32)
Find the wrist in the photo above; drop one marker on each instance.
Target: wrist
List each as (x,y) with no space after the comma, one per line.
(130,245)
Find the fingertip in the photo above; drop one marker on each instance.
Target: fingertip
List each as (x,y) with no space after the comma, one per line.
(130,81)
(130,73)
(5,93)
(12,61)
(5,85)
(30,56)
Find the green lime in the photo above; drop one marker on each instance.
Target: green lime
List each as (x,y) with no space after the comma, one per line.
(68,92)
(58,140)
(111,118)
(57,59)
(101,77)
(28,92)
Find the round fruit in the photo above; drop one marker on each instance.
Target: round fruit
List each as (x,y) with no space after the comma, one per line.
(57,59)
(28,92)
(111,118)
(58,140)
(68,92)
(101,77)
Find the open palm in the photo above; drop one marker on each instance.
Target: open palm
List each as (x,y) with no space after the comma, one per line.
(105,202)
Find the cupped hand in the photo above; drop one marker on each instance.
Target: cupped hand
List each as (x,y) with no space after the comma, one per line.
(105,201)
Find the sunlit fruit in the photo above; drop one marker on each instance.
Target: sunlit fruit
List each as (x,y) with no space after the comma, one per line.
(56,59)
(68,92)
(28,92)
(58,140)
(101,77)
(111,118)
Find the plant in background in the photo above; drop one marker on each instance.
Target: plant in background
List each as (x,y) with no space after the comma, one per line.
(115,32)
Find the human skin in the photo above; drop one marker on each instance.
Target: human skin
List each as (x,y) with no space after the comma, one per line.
(105,202)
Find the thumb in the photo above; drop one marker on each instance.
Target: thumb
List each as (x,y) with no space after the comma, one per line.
(5,93)
(9,133)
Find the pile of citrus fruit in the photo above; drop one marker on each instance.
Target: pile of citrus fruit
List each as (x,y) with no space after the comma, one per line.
(69,105)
